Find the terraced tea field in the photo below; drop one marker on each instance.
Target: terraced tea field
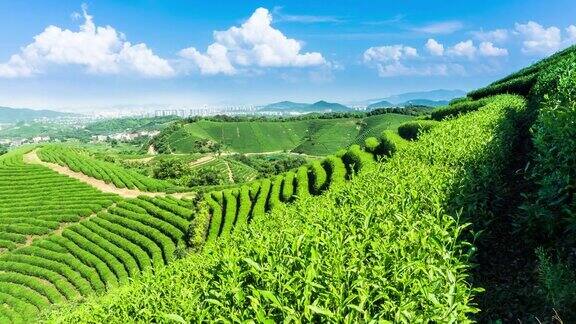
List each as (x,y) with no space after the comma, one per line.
(313,136)
(34,200)
(62,239)
(79,161)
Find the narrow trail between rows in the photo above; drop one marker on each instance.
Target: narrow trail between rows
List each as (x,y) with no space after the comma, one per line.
(229,170)
(32,158)
(203,160)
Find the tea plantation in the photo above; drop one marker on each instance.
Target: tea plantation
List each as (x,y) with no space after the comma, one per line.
(313,136)
(465,215)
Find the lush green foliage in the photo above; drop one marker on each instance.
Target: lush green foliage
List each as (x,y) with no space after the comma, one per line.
(462,106)
(390,142)
(79,161)
(170,168)
(308,179)
(520,85)
(269,165)
(35,200)
(387,246)
(411,130)
(522,81)
(550,218)
(129,124)
(555,141)
(98,253)
(314,135)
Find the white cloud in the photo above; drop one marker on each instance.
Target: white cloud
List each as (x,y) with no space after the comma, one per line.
(309,19)
(254,43)
(446,27)
(401,60)
(389,53)
(434,47)
(141,59)
(571,31)
(465,49)
(396,69)
(538,39)
(15,67)
(488,49)
(213,62)
(497,36)
(101,50)
(304,19)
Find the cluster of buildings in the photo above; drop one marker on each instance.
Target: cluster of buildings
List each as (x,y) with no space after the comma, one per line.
(124,136)
(15,142)
(209,111)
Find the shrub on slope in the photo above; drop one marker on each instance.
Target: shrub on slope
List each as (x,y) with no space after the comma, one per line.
(550,219)
(385,247)
(411,130)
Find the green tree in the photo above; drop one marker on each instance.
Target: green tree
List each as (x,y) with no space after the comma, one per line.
(170,168)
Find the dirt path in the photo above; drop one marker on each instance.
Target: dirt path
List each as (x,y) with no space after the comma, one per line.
(152,150)
(203,160)
(32,158)
(230,175)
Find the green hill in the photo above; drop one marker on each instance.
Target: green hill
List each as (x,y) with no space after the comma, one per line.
(286,106)
(381,228)
(13,115)
(380,104)
(314,136)
(320,106)
(129,124)
(327,106)
(426,102)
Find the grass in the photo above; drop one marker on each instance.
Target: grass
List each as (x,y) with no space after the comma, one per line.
(313,136)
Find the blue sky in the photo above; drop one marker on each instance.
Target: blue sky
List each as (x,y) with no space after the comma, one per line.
(96,54)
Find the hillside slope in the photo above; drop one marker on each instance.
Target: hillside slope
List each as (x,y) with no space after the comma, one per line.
(314,136)
(13,115)
(389,245)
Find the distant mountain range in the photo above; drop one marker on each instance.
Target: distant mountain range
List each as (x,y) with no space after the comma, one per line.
(433,95)
(13,115)
(320,106)
(413,102)
(433,98)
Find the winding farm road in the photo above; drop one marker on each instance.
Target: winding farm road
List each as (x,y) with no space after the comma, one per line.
(32,158)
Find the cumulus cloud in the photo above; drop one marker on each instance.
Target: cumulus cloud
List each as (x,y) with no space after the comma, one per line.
(571,31)
(497,36)
(401,60)
(488,49)
(445,27)
(537,39)
(101,50)
(254,44)
(434,48)
(389,53)
(465,49)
